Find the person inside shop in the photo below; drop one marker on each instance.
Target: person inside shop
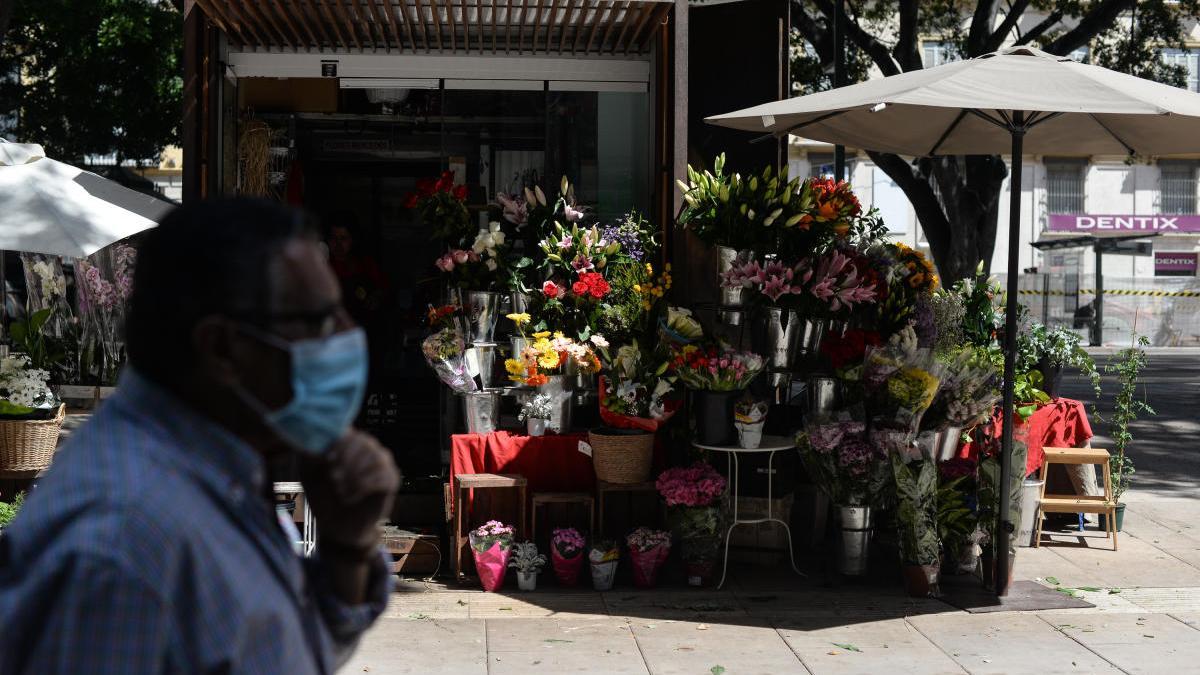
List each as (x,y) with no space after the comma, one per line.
(152,544)
(365,288)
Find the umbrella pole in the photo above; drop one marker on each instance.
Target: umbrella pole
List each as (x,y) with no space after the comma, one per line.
(1004,525)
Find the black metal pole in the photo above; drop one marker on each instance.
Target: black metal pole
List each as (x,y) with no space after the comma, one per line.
(1004,525)
(839,78)
(1098,318)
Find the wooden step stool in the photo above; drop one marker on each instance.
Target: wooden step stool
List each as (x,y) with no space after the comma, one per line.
(1104,503)
(464,483)
(544,498)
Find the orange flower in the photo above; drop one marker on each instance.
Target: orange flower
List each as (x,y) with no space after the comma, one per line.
(826,211)
(537,380)
(805,221)
(841,228)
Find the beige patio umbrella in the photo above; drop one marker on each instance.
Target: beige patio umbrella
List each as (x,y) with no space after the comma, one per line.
(1011,101)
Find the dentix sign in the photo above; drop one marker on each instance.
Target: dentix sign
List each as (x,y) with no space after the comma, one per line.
(1080,223)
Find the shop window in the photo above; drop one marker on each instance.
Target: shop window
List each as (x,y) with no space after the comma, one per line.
(1189,61)
(1064,186)
(1177,187)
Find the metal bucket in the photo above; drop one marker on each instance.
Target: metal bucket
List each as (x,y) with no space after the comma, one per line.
(776,335)
(518,302)
(482,309)
(822,395)
(560,406)
(1031,498)
(481,363)
(481,411)
(726,259)
(516,345)
(856,526)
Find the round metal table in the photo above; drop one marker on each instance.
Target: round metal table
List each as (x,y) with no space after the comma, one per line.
(769,445)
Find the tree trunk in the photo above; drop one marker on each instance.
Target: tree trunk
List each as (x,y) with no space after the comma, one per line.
(959,215)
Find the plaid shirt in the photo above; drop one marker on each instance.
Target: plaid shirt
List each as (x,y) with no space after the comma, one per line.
(151,547)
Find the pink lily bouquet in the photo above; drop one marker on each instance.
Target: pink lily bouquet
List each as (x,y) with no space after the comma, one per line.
(834,283)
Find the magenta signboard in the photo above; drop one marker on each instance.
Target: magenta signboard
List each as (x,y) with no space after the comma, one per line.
(1174,264)
(1086,223)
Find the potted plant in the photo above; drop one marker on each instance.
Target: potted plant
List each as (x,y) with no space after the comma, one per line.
(636,396)
(1127,366)
(528,562)
(491,545)
(535,412)
(30,415)
(1052,350)
(693,496)
(648,550)
(717,377)
(566,554)
(604,556)
(916,516)
(8,512)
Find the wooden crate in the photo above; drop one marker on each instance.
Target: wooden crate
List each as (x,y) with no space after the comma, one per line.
(413,553)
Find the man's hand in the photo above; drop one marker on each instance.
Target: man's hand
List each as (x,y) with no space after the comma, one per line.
(350,490)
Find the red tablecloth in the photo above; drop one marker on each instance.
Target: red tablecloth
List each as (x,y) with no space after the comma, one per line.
(550,463)
(1062,423)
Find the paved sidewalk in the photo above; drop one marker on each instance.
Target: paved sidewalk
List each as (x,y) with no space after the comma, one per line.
(1146,619)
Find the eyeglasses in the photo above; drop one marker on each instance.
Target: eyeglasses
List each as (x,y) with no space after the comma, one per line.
(314,323)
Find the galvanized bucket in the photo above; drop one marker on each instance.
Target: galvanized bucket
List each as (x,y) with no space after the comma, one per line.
(823,396)
(482,309)
(856,527)
(481,411)
(726,259)
(481,363)
(560,406)
(946,442)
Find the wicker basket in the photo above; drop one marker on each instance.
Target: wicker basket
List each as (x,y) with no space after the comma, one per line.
(621,456)
(28,445)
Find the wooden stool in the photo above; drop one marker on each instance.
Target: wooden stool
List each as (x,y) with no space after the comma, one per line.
(1053,503)
(466,482)
(604,490)
(544,498)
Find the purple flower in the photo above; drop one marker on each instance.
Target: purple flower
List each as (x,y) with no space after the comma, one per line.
(582,263)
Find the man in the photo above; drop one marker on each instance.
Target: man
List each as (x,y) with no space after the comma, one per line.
(152,545)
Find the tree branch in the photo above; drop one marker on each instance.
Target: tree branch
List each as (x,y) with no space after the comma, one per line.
(1100,18)
(981,27)
(997,38)
(1040,29)
(819,37)
(920,194)
(905,51)
(863,40)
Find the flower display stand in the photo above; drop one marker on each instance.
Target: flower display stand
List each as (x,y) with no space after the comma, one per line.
(547,499)
(464,485)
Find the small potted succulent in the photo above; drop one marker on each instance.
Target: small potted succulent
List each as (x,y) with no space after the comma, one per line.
(528,562)
(566,553)
(648,550)
(535,412)
(604,556)
(491,544)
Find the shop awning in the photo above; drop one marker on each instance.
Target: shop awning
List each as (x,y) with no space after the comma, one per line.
(562,27)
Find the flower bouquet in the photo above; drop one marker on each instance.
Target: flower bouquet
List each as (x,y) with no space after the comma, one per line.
(528,562)
(441,206)
(25,392)
(716,376)
(679,327)
(548,355)
(749,415)
(444,352)
(900,381)
(967,395)
(648,550)
(636,392)
(566,554)
(692,495)
(843,461)
(491,544)
(604,556)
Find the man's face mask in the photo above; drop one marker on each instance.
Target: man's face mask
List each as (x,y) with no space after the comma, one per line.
(329,379)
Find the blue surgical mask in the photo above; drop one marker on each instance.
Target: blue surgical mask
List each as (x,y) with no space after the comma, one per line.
(329,379)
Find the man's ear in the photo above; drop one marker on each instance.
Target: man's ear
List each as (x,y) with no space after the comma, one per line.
(213,342)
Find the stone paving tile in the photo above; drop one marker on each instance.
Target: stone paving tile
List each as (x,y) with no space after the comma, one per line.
(535,604)
(1137,643)
(521,646)
(698,605)
(427,647)
(414,605)
(1104,599)
(874,603)
(691,648)
(1135,563)
(891,645)
(1164,599)
(1008,643)
(1188,618)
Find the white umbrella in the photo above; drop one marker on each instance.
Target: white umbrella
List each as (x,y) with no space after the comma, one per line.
(1015,100)
(50,207)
